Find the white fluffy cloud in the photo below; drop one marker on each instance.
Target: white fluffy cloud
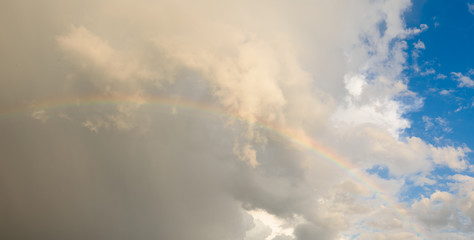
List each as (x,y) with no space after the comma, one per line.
(449,211)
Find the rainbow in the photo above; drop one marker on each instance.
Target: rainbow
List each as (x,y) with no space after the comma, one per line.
(295,137)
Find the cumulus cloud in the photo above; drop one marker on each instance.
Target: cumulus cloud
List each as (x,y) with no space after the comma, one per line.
(452,157)
(205,120)
(449,210)
(376,107)
(436,211)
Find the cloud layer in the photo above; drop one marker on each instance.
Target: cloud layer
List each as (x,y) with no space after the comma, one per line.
(192,120)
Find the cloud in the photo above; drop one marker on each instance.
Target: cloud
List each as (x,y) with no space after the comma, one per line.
(428,122)
(428,71)
(451,157)
(252,87)
(272,226)
(40,115)
(260,231)
(449,211)
(437,123)
(437,210)
(441,76)
(470,7)
(464,80)
(445,92)
(94,126)
(375,106)
(419,45)
(355,84)
(443,123)
(92,53)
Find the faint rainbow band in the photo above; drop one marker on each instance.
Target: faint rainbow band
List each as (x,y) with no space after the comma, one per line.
(296,137)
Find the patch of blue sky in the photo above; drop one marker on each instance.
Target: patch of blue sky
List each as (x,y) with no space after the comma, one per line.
(382,27)
(448,49)
(436,59)
(381,171)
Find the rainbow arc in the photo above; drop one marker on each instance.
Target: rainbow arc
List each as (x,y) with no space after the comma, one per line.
(293,136)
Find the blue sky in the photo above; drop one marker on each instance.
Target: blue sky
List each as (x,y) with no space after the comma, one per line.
(448,49)
(447,112)
(434,58)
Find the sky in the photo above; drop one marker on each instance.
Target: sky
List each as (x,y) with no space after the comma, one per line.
(249,120)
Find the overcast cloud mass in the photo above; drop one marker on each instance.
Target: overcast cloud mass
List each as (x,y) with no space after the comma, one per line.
(163,120)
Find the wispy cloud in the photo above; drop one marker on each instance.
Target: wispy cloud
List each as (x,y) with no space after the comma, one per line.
(419,45)
(441,76)
(40,115)
(470,7)
(464,80)
(445,92)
